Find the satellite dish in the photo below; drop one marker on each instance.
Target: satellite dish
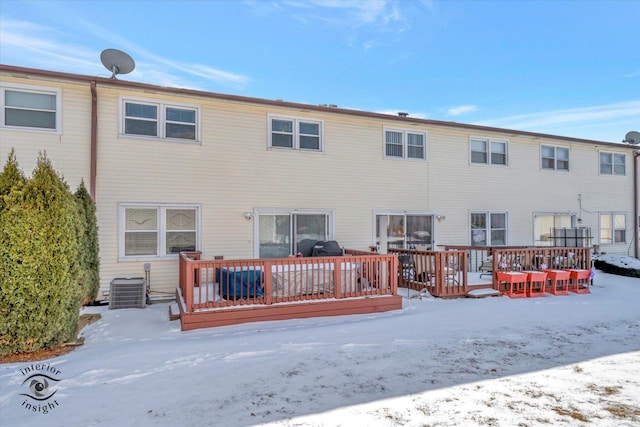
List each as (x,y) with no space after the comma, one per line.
(632,138)
(117,62)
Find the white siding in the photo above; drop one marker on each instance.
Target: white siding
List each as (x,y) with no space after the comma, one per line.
(232,171)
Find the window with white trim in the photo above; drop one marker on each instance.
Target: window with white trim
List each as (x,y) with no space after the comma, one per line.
(157,231)
(544,225)
(30,107)
(295,133)
(612,164)
(613,228)
(160,120)
(410,230)
(488,228)
(488,151)
(405,144)
(554,158)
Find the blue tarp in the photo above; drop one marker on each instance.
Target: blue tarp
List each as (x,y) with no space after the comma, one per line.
(239,284)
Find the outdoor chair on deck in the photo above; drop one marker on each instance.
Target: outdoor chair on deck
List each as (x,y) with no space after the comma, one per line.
(406,267)
(486,268)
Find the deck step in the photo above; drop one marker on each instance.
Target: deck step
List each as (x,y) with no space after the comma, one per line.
(174,311)
(483,293)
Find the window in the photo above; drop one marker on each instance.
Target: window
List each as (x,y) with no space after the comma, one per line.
(554,158)
(157,231)
(612,164)
(544,225)
(488,151)
(488,229)
(295,133)
(404,144)
(613,228)
(159,120)
(404,230)
(280,231)
(31,108)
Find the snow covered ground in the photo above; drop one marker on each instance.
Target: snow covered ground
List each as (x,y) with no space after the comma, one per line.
(559,360)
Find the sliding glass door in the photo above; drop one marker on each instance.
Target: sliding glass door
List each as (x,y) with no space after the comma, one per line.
(280,233)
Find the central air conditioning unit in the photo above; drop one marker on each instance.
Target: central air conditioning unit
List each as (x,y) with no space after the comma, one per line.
(127,292)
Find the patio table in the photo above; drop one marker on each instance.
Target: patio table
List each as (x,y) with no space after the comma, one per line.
(540,279)
(517,282)
(579,281)
(559,281)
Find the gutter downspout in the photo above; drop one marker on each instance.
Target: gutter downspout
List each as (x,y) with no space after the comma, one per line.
(94,140)
(636,220)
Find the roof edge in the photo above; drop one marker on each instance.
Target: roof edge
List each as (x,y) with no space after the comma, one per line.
(279,103)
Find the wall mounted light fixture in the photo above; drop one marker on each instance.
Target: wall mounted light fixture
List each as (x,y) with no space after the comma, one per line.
(247,215)
(440,217)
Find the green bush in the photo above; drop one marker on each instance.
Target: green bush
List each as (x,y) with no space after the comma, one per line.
(614,269)
(39,270)
(89,248)
(10,178)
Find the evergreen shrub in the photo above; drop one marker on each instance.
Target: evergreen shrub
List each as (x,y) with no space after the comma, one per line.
(89,248)
(39,270)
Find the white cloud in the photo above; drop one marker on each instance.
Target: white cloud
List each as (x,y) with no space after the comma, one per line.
(28,44)
(462,109)
(385,15)
(584,115)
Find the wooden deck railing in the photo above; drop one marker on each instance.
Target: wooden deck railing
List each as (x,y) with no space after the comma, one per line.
(477,255)
(441,273)
(206,284)
(531,256)
(540,258)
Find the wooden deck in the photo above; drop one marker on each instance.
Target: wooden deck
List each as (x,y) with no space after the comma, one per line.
(445,274)
(225,292)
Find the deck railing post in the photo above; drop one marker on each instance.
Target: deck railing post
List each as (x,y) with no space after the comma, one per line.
(393,276)
(337,275)
(268,282)
(188,284)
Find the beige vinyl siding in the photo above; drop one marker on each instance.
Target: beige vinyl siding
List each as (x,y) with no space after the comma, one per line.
(232,170)
(69,150)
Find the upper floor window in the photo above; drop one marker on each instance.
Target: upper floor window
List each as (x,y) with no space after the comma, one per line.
(405,144)
(612,164)
(555,158)
(160,120)
(488,151)
(613,228)
(30,108)
(295,133)
(157,231)
(488,228)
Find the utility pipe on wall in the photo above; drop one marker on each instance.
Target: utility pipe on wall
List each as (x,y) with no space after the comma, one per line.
(94,140)
(636,220)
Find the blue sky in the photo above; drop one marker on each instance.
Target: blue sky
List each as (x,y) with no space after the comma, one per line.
(567,68)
